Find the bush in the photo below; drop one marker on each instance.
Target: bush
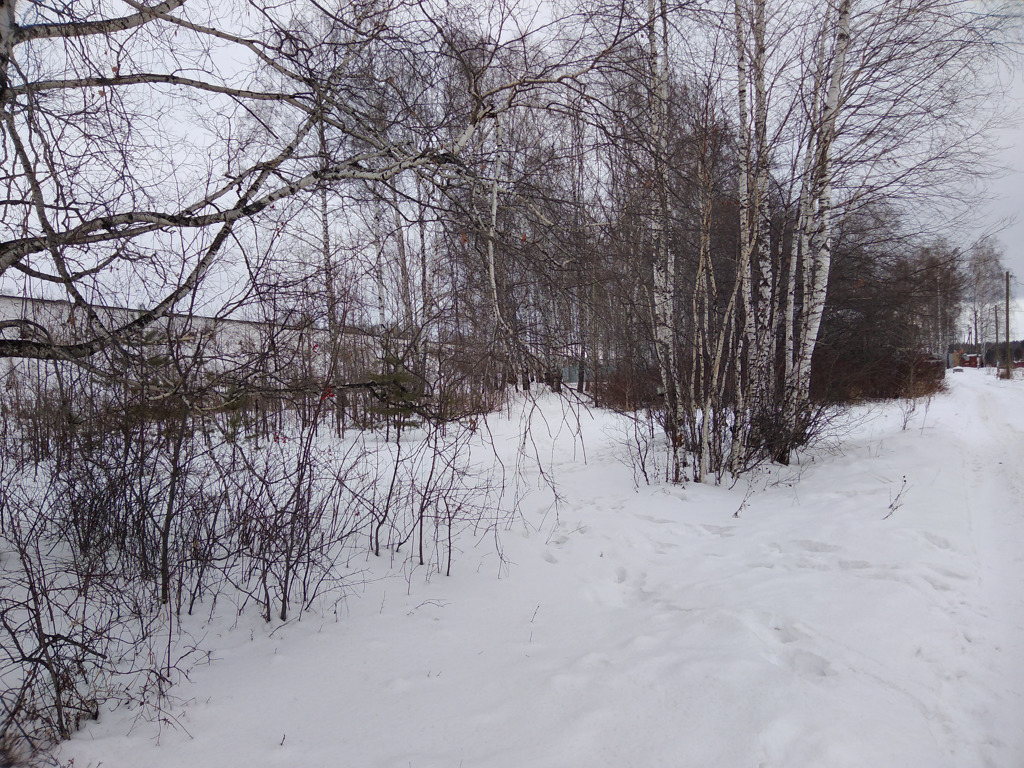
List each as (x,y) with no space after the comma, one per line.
(851,375)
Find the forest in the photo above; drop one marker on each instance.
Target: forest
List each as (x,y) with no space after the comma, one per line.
(277,261)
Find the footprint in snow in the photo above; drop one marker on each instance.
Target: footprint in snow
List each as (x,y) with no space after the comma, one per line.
(816,546)
(937,585)
(788,633)
(643,643)
(948,573)
(854,565)
(936,541)
(655,520)
(592,661)
(810,664)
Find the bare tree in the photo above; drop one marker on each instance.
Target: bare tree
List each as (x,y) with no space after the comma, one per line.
(139,146)
(983,289)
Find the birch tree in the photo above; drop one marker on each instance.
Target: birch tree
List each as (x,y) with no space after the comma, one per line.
(837,106)
(663,290)
(815,215)
(983,288)
(755,266)
(896,110)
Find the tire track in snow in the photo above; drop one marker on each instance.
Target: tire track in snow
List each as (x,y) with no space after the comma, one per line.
(992,443)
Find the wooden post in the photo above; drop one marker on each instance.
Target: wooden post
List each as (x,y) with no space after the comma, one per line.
(996,309)
(1009,358)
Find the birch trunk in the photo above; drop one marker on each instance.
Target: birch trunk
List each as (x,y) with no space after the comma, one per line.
(405,290)
(760,312)
(763,384)
(820,240)
(7,30)
(800,263)
(747,224)
(706,367)
(663,290)
(797,256)
(381,265)
(334,323)
(426,279)
(501,327)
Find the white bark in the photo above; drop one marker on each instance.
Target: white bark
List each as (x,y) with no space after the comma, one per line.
(747,224)
(819,240)
(763,384)
(144,15)
(755,247)
(502,329)
(663,291)
(405,290)
(704,376)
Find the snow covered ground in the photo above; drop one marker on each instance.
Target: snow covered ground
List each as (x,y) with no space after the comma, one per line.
(834,621)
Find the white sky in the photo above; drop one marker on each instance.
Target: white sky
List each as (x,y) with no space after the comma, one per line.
(1005,211)
(1008,191)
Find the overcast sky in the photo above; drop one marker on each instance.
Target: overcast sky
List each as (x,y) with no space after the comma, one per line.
(1009,190)
(1006,209)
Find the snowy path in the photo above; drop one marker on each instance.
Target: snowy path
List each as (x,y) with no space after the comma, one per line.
(651,627)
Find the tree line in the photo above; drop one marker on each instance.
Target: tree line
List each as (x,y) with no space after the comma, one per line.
(641,189)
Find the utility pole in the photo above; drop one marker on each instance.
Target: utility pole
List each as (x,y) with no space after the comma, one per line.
(995,307)
(1009,359)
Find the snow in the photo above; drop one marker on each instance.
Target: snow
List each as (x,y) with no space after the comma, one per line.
(811,616)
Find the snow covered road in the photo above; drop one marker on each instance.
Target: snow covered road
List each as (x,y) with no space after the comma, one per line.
(841,619)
